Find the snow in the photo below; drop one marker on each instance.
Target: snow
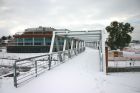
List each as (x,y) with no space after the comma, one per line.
(11,57)
(18,55)
(81,74)
(123,63)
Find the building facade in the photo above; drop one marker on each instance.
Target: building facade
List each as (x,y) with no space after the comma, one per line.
(34,40)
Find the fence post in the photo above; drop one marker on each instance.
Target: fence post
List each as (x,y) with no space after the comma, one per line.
(49,59)
(106,53)
(69,55)
(64,54)
(60,56)
(36,68)
(78,50)
(75,51)
(15,75)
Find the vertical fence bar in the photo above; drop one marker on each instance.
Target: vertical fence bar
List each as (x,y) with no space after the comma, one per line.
(49,59)
(75,52)
(36,68)
(63,56)
(101,58)
(69,54)
(60,56)
(15,75)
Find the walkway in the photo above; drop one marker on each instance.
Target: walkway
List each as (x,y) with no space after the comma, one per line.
(79,75)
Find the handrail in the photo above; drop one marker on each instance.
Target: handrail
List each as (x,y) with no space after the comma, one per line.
(30,58)
(27,68)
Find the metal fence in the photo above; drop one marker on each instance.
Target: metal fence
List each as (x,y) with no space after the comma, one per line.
(6,67)
(28,68)
(124,66)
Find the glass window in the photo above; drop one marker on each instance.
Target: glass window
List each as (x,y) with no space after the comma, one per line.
(28,43)
(28,40)
(19,40)
(38,39)
(48,40)
(37,43)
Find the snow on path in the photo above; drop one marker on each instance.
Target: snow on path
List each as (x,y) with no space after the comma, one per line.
(79,75)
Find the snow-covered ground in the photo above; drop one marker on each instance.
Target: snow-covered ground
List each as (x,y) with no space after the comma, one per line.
(78,75)
(10,56)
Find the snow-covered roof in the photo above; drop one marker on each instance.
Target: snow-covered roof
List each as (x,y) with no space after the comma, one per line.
(39,29)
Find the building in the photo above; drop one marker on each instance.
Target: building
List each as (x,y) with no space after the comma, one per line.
(34,40)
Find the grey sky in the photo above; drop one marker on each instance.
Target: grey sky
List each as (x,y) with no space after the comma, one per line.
(17,15)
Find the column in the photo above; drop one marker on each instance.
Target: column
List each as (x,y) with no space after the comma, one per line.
(57,44)
(44,41)
(71,44)
(64,46)
(33,41)
(52,43)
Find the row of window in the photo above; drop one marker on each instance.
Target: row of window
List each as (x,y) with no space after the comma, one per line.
(35,39)
(36,43)
(47,41)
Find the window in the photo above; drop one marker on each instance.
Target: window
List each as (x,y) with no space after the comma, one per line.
(19,40)
(38,39)
(37,43)
(48,40)
(28,40)
(28,43)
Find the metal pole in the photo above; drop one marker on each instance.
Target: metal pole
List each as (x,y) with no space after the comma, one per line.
(36,68)
(49,59)
(103,39)
(76,47)
(69,55)
(52,43)
(57,43)
(60,56)
(15,75)
(72,44)
(80,46)
(64,46)
(71,51)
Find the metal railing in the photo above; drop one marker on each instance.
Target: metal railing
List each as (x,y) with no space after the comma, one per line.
(101,58)
(28,68)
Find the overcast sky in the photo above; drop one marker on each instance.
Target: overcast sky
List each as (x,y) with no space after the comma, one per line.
(17,15)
